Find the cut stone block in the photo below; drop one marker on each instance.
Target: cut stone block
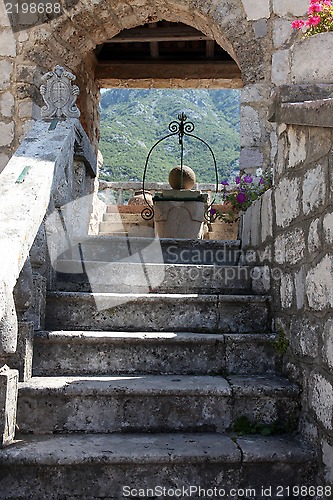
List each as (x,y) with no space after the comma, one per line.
(8,404)
(125,404)
(158,312)
(152,403)
(171,251)
(128,277)
(65,353)
(92,466)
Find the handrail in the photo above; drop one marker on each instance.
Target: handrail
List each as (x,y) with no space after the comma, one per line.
(26,186)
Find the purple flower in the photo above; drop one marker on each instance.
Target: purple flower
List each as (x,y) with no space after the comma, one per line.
(248,179)
(261,180)
(212,211)
(225,183)
(238,179)
(241,198)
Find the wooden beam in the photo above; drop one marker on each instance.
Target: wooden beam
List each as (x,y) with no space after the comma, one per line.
(165,70)
(159,34)
(210,49)
(154,47)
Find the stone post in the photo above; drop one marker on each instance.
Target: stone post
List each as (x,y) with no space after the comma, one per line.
(8,404)
(8,321)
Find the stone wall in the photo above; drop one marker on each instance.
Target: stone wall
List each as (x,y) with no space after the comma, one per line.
(291,231)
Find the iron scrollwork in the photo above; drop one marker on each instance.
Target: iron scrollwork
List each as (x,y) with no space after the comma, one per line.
(182,128)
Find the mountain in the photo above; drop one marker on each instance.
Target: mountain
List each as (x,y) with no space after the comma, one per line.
(132,120)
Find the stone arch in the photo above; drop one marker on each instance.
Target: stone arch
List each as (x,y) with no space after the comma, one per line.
(71,38)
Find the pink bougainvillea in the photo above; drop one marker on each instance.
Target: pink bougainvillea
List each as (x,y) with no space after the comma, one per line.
(315,7)
(239,194)
(320,18)
(313,21)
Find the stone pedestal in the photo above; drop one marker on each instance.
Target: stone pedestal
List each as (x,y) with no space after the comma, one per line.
(179,219)
(8,404)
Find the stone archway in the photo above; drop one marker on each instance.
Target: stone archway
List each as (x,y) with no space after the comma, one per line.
(71,38)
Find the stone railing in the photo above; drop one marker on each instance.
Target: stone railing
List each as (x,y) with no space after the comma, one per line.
(117,193)
(53,168)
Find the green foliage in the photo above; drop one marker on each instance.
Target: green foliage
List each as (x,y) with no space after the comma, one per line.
(244,427)
(281,344)
(240,194)
(133,120)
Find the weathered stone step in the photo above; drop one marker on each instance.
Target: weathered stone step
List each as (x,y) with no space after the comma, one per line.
(95,466)
(126,218)
(101,466)
(152,403)
(171,251)
(158,312)
(59,353)
(129,230)
(135,277)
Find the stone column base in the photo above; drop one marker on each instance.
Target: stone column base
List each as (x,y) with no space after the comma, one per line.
(179,219)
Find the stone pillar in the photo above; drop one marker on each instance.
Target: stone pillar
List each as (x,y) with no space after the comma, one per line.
(8,404)
(8,321)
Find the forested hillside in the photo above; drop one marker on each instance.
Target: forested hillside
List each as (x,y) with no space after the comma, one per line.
(132,120)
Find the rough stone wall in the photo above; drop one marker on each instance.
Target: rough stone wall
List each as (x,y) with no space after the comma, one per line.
(303,252)
(254,33)
(291,231)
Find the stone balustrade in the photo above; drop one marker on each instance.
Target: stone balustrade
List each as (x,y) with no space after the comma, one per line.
(118,192)
(52,169)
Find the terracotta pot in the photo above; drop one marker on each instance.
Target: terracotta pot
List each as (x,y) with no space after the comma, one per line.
(138,198)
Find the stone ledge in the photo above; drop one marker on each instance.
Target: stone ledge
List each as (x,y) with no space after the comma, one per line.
(151,448)
(309,105)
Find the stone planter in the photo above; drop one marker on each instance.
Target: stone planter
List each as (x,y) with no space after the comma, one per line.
(179,219)
(220,230)
(223,231)
(311,59)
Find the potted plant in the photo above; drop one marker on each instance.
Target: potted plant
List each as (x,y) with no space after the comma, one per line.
(320,18)
(237,196)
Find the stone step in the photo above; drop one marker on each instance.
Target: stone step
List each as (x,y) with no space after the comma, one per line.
(59,353)
(126,230)
(137,277)
(126,218)
(154,250)
(158,312)
(152,403)
(124,209)
(110,466)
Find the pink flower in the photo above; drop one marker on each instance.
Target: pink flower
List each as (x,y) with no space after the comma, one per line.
(313,21)
(241,198)
(298,24)
(327,2)
(315,7)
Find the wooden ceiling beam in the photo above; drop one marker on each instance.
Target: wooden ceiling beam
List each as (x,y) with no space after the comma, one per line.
(168,70)
(159,34)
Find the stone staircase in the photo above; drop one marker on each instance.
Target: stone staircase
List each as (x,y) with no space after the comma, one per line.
(149,364)
(116,222)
